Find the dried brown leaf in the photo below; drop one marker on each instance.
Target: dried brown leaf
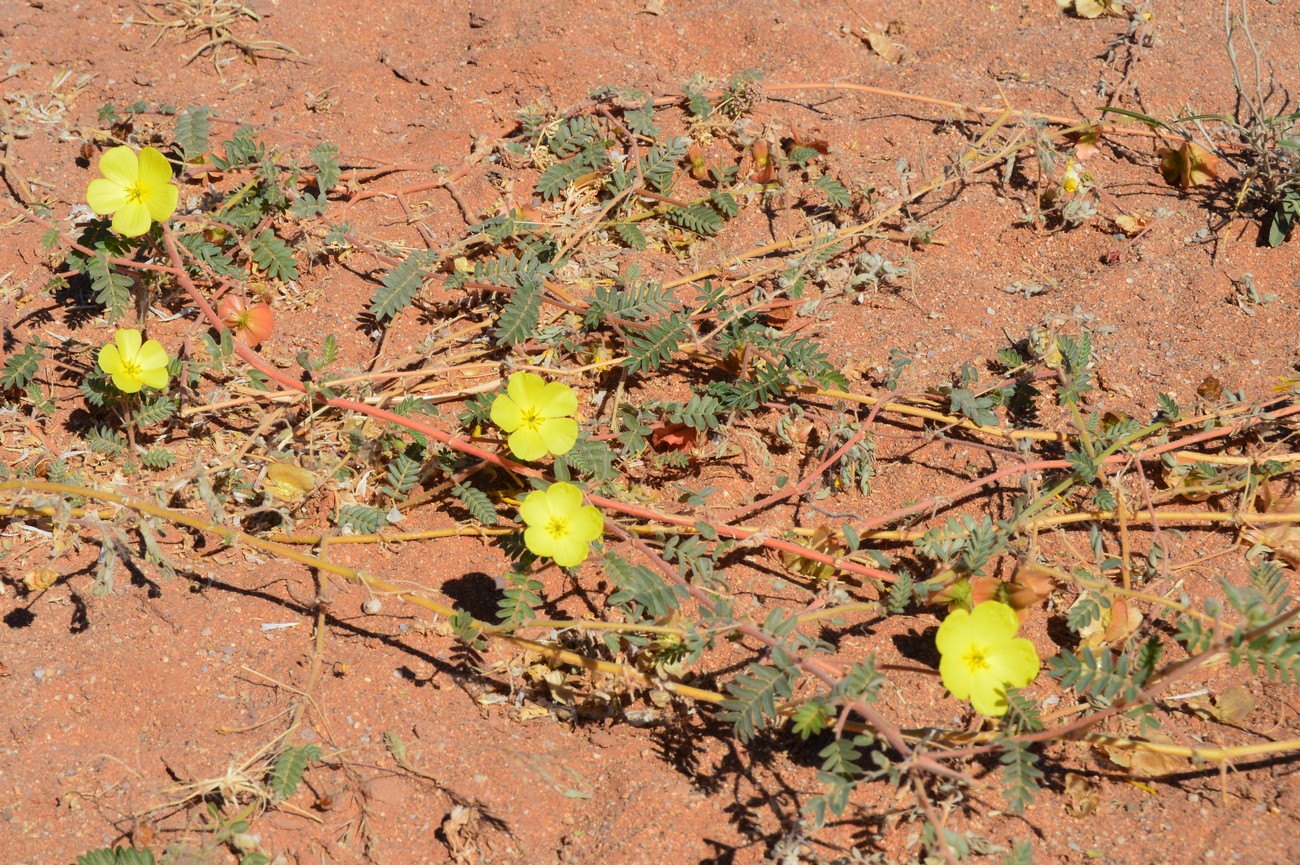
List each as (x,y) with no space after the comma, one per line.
(40,578)
(1133,224)
(887,49)
(1190,165)
(288,481)
(1081,794)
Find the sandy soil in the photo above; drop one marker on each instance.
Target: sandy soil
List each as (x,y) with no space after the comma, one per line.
(112,705)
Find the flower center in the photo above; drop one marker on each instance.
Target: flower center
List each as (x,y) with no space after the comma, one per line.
(136,193)
(557,527)
(976,659)
(531,419)
(131,367)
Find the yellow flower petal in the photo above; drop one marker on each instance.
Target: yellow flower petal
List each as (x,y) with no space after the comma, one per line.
(527,445)
(954,634)
(153,356)
(132,219)
(120,165)
(988,696)
(982,657)
(161,201)
(558,400)
(110,359)
(105,196)
(539,541)
(955,675)
(126,383)
(569,552)
(1014,663)
(525,388)
(994,621)
(564,499)
(128,343)
(153,168)
(506,414)
(559,434)
(154,377)
(589,523)
(535,509)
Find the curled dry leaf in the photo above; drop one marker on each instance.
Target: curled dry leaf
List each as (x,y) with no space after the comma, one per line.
(1113,626)
(764,168)
(1086,143)
(799,138)
(885,47)
(1231,707)
(1190,165)
(1182,482)
(288,481)
(1082,795)
(824,540)
(669,436)
(1143,761)
(1133,224)
(1094,8)
(695,156)
(40,578)
(1282,538)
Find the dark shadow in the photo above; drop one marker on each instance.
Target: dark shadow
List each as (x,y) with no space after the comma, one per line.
(80,622)
(1059,632)
(919,647)
(476,593)
(19,617)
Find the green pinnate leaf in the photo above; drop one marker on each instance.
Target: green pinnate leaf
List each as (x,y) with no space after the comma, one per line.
(289,768)
(193,128)
(112,289)
(557,178)
(477,503)
(326,157)
(21,366)
(273,256)
(836,193)
(398,288)
(362,519)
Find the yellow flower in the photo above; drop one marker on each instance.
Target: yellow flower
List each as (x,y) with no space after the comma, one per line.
(982,656)
(559,525)
(133,365)
(137,190)
(537,415)
(1073,179)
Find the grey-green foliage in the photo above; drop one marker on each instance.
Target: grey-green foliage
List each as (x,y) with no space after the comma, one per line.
(520,599)
(289,768)
(362,519)
(1076,355)
(636,299)
(641,591)
(1101,675)
(399,286)
(21,366)
(273,256)
(112,289)
(116,856)
(751,696)
(192,130)
(326,157)
(1020,775)
(650,349)
(402,473)
(477,503)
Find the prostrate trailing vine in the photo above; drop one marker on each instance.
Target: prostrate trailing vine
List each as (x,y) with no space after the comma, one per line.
(603,388)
